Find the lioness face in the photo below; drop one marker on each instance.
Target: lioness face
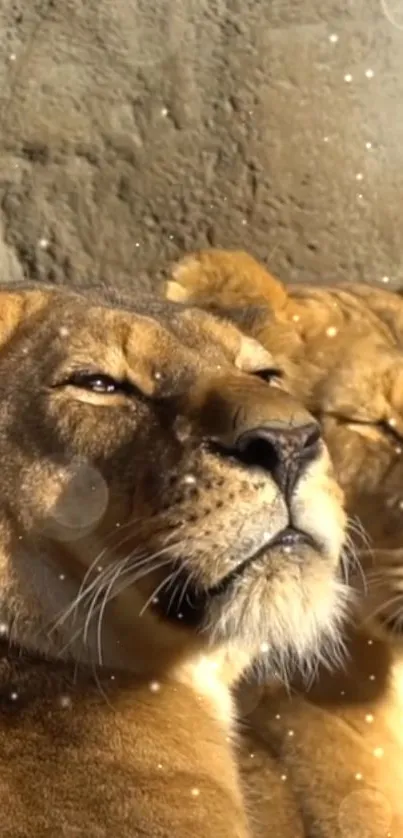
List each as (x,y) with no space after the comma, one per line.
(358,399)
(160,490)
(341,351)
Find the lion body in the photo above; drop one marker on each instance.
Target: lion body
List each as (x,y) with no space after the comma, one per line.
(135,532)
(328,761)
(114,758)
(117,719)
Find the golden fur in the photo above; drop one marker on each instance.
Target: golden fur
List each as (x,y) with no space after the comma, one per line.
(139,567)
(329,762)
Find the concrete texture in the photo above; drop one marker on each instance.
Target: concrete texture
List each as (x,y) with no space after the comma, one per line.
(133,130)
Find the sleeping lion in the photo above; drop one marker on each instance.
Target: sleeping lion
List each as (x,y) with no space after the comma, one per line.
(328,763)
(168,514)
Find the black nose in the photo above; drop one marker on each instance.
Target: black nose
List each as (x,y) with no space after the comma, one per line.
(283,451)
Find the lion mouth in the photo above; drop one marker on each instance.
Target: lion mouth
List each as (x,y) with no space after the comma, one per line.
(187,602)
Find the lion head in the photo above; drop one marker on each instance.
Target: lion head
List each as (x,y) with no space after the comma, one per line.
(162,493)
(341,350)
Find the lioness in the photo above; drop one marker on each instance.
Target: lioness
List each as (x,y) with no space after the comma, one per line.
(166,509)
(330,763)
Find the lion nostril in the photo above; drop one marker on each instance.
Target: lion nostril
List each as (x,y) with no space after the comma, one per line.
(281,450)
(258,452)
(313,440)
(311,448)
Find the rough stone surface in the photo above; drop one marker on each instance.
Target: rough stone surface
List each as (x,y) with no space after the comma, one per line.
(132,130)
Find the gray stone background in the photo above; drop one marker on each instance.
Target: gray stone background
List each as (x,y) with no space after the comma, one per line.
(133,130)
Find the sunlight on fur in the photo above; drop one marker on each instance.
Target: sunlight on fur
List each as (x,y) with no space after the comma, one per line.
(168,511)
(340,349)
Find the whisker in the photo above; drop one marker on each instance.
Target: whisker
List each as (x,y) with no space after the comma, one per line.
(397,613)
(134,575)
(350,560)
(380,583)
(99,608)
(174,591)
(361,573)
(114,572)
(156,591)
(146,525)
(355,526)
(387,573)
(119,574)
(184,589)
(81,629)
(100,687)
(85,590)
(83,593)
(384,606)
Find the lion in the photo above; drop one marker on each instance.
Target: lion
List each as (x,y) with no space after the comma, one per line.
(168,514)
(329,762)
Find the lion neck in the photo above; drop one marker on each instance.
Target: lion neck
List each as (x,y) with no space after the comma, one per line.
(35,592)
(368,690)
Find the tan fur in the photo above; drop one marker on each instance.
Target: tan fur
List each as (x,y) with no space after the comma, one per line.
(125,509)
(329,762)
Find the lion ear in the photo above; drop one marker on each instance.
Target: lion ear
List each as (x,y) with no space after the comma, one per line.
(224,278)
(10,314)
(14,307)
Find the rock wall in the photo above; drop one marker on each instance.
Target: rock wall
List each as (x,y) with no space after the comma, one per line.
(133,130)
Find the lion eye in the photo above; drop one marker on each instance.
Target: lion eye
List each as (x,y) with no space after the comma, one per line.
(95,382)
(269,375)
(389,429)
